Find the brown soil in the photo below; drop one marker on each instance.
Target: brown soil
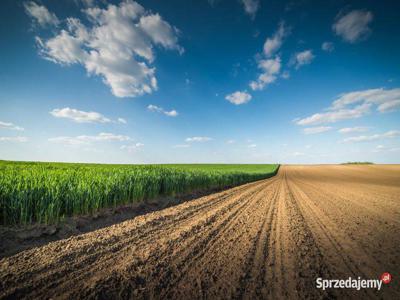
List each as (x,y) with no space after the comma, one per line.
(15,239)
(267,239)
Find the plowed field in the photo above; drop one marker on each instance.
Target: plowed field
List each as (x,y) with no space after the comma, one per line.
(267,239)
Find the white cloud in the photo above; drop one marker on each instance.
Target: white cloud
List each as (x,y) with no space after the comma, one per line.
(18,139)
(355,105)
(238,97)
(199,139)
(11,126)
(40,14)
(386,99)
(79,116)
(252,146)
(302,58)
(132,148)
(353,129)
(389,106)
(87,139)
(160,32)
(353,26)
(171,113)
(274,43)
(251,7)
(368,138)
(335,116)
(230,141)
(270,68)
(315,130)
(155,108)
(117,44)
(327,46)
(122,121)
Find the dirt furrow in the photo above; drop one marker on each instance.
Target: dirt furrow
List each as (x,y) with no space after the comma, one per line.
(269,239)
(309,260)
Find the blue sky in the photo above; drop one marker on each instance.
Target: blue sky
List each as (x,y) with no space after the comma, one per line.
(223,81)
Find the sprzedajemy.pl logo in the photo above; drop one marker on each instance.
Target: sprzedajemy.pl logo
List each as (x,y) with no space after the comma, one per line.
(351,283)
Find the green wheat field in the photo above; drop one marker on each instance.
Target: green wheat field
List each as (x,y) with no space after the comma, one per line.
(32,192)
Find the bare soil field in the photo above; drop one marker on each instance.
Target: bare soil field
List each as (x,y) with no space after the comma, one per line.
(267,239)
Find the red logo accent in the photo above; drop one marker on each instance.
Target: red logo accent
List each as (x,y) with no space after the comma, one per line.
(386,278)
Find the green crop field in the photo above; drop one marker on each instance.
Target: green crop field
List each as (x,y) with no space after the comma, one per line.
(48,192)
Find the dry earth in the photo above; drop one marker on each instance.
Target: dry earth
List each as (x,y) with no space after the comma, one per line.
(267,239)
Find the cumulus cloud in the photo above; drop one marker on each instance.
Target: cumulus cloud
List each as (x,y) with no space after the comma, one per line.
(302,58)
(274,43)
(352,129)
(17,139)
(117,44)
(251,7)
(40,14)
(79,116)
(270,66)
(88,139)
(155,108)
(355,105)
(198,139)
(374,137)
(315,130)
(353,26)
(270,69)
(10,126)
(327,46)
(238,97)
(171,113)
